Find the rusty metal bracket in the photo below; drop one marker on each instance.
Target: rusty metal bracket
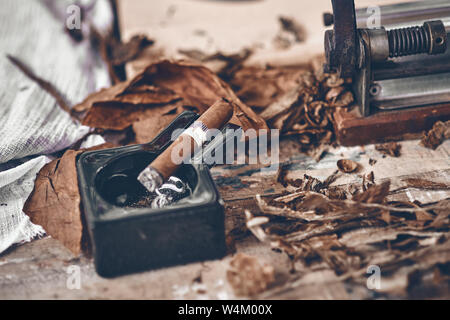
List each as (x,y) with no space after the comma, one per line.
(341,43)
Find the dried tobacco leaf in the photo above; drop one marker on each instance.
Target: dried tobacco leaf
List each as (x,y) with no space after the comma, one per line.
(298,101)
(149,127)
(282,172)
(103,95)
(334,93)
(425,184)
(121,53)
(334,81)
(348,235)
(259,87)
(442,212)
(344,100)
(162,91)
(374,194)
(224,65)
(254,224)
(290,25)
(282,105)
(199,87)
(286,211)
(347,166)
(248,277)
(390,149)
(141,96)
(54,203)
(309,206)
(308,183)
(336,193)
(370,177)
(116,53)
(433,138)
(119,116)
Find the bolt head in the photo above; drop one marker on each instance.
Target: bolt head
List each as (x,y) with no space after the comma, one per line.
(328,19)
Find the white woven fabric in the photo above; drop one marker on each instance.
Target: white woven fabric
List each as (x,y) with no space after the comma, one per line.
(31,124)
(15,186)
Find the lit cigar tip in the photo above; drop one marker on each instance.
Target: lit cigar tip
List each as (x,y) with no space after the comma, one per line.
(151,179)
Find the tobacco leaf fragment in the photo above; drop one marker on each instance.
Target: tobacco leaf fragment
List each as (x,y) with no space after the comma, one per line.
(254,224)
(289,24)
(116,53)
(282,172)
(390,149)
(199,87)
(345,100)
(327,231)
(103,95)
(370,177)
(259,87)
(224,65)
(149,127)
(155,96)
(442,212)
(54,203)
(336,193)
(119,116)
(121,53)
(347,166)
(434,137)
(374,194)
(425,184)
(282,105)
(299,101)
(141,96)
(248,277)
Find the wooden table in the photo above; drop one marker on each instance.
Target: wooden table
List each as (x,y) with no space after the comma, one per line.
(39,270)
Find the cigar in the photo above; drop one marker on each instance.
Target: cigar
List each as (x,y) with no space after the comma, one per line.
(163,167)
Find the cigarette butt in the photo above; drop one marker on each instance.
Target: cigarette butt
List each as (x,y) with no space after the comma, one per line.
(163,167)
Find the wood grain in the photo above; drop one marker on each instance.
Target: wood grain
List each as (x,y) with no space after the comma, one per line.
(39,270)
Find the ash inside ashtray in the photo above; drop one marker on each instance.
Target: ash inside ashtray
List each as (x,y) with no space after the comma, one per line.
(169,193)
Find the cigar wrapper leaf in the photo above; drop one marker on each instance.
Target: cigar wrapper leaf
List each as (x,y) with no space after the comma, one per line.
(162,168)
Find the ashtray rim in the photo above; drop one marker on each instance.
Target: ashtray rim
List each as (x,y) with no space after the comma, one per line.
(88,192)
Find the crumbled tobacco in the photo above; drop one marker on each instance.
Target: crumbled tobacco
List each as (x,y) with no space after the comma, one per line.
(348,231)
(389,149)
(299,101)
(433,138)
(248,277)
(347,166)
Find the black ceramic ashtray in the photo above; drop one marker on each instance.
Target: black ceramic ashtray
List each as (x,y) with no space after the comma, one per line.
(127,237)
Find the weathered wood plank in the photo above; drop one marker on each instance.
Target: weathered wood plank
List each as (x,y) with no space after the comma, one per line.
(39,269)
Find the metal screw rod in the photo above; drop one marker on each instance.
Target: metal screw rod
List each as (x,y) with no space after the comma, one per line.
(431,38)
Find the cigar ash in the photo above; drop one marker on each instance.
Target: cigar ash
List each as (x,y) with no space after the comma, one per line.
(125,191)
(168,194)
